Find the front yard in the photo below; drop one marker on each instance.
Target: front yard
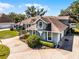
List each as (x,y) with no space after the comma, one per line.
(8,34)
(21,50)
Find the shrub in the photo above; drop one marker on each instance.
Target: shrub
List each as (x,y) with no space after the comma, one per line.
(48,44)
(11,29)
(26,35)
(33,41)
(4,51)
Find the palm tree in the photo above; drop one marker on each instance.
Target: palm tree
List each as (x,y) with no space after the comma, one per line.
(32,12)
(40,12)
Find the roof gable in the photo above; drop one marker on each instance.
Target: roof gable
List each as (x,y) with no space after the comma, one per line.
(40,19)
(58,26)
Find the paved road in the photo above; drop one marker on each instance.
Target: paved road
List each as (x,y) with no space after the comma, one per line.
(20,50)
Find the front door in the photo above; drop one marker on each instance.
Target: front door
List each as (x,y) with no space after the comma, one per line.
(46,36)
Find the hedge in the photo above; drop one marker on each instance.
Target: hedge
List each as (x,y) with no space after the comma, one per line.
(48,44)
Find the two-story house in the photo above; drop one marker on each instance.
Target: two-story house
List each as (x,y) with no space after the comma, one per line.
(49,28)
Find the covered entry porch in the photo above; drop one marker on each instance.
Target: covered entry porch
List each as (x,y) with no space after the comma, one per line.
(46,35)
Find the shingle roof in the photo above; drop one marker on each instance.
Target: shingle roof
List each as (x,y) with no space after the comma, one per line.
(57,26)
(33,27)
(60,26)
(29,20)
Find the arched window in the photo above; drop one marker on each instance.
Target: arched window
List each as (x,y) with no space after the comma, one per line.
(40,24)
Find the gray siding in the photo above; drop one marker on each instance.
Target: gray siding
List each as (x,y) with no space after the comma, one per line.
(43,27)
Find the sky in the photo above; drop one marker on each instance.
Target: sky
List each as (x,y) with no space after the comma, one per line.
(53,7)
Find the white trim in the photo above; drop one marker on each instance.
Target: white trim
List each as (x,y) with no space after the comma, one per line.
(47,36)
(51,36)
(48,31)
(41,19)
(39,24)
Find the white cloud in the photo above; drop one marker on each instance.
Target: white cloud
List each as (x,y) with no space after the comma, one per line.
(23,13)
(4,6)
(37,6)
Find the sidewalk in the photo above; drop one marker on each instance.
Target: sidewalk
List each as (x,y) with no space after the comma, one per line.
(4,29)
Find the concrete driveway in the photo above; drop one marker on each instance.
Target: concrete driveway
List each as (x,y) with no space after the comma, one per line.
(67,43)
(20,50)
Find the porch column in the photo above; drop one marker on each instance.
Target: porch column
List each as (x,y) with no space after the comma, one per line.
(47,35)
(44,35)
(52,36)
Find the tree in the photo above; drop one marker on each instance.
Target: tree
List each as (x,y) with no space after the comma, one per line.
(16,17)
(72,11)
(32,12)
(65,13)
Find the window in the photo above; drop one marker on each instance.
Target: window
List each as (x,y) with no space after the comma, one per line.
(28,25)
(49,35)
(40,24)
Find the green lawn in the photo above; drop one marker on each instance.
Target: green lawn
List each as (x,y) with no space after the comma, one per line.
(8,34)
(4,51)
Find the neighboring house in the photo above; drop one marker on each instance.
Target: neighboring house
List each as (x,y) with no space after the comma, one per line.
(5,21)
(49,28)
(67,21)
(64,19)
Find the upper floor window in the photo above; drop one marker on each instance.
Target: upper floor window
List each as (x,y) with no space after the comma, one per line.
(40,24)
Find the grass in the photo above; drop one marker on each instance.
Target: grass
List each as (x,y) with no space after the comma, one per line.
(8,34)
(4,51)
(77,25)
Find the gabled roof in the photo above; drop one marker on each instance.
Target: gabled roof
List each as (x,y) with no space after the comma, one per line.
(57,26)
(29,20)
(33,27)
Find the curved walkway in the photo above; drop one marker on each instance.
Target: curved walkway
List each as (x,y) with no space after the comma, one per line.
(20,50)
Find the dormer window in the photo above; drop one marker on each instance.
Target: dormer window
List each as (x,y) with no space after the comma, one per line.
(40,24)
